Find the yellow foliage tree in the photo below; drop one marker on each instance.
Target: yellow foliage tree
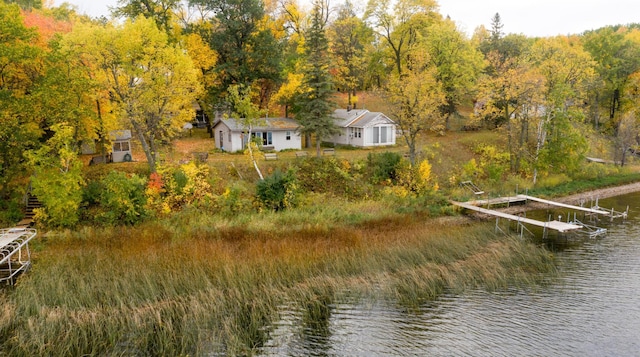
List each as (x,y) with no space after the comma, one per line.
(152,82)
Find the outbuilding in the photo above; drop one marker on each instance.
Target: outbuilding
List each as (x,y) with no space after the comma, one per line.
(275,134)
(121,150)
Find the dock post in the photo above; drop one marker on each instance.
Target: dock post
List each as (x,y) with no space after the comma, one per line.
(612,214)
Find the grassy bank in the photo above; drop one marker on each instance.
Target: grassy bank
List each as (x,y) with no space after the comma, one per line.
(578,186)
(166,288)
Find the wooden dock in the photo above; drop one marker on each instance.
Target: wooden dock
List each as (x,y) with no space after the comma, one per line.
(564,205)
(559,226)
(498,201)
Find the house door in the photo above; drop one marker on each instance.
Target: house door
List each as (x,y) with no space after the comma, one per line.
(221,137)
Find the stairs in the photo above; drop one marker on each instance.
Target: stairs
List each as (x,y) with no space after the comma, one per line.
(31,203)
(473,188)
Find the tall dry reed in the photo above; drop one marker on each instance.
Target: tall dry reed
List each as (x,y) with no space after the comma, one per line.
(210,285)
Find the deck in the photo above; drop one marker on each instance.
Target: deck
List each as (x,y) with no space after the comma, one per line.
(564,205)
(559,226)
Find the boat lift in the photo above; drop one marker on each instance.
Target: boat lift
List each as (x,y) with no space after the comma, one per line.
(15,256)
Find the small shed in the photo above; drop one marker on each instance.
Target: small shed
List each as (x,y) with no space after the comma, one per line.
(274,134)
(121,150)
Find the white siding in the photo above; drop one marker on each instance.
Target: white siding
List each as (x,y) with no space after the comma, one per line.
(341,138)
(280,141)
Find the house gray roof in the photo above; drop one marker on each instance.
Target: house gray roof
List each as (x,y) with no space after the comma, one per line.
(358,118)
(265,124)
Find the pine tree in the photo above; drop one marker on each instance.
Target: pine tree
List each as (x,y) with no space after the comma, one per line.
(315,105)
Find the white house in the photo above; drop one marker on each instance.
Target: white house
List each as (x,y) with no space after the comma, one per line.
(276,134)
(362,128)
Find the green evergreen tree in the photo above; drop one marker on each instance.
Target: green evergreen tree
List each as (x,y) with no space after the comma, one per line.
(315,100)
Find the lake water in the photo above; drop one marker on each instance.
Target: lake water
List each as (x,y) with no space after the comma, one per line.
(592,309)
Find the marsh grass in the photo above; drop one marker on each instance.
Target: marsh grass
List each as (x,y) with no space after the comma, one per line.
(215,284)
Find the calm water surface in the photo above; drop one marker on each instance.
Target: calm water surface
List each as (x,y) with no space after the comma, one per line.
(592,309)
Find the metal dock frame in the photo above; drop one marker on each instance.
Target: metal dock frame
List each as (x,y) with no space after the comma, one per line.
(15,256)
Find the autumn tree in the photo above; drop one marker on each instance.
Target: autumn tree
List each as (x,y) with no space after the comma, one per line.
(617,57)
(161,11)
(204,59)
(628,136)
(26,4)
(246,47)
(568,70)
(21,66)
(400,24)
(348,36)
(152,82)
(58,178)
(249,115)
(512,99)
(315,105)
(414,98)
(458,64)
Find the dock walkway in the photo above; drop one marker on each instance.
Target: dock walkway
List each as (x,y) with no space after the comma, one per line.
(564,205)
(554,225)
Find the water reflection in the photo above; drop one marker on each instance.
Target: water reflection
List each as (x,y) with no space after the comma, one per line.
(590,310)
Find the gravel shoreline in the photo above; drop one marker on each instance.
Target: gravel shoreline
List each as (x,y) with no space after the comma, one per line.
(578,198)
(601,193)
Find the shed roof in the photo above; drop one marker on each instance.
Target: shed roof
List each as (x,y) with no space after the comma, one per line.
(266,124)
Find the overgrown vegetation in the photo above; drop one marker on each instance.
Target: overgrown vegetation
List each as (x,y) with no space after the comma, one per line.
(196,285)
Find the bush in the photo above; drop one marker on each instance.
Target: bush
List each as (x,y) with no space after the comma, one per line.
(330,175)
(416,178)
(122,199)
(383,167)
(184,185)
(278,191)
(234,200)
(10,211)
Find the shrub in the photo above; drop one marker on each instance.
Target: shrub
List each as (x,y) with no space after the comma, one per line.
(122,198)
(552,180)
(278,191)
(416,178)
(330,175)
(58,179)
(383,167)
(176,187)
(234,200)
(10,211)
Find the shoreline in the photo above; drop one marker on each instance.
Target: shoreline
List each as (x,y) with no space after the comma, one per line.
(577,198)
(601,193)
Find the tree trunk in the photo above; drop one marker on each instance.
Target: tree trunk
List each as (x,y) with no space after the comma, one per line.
(253,159)
(148,151)
(317,146)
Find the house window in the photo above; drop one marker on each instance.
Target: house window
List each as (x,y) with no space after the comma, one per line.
(288,135)
(380,134)
(121,146)
(383,134)
(267,137)
(229,135)
(356,132)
